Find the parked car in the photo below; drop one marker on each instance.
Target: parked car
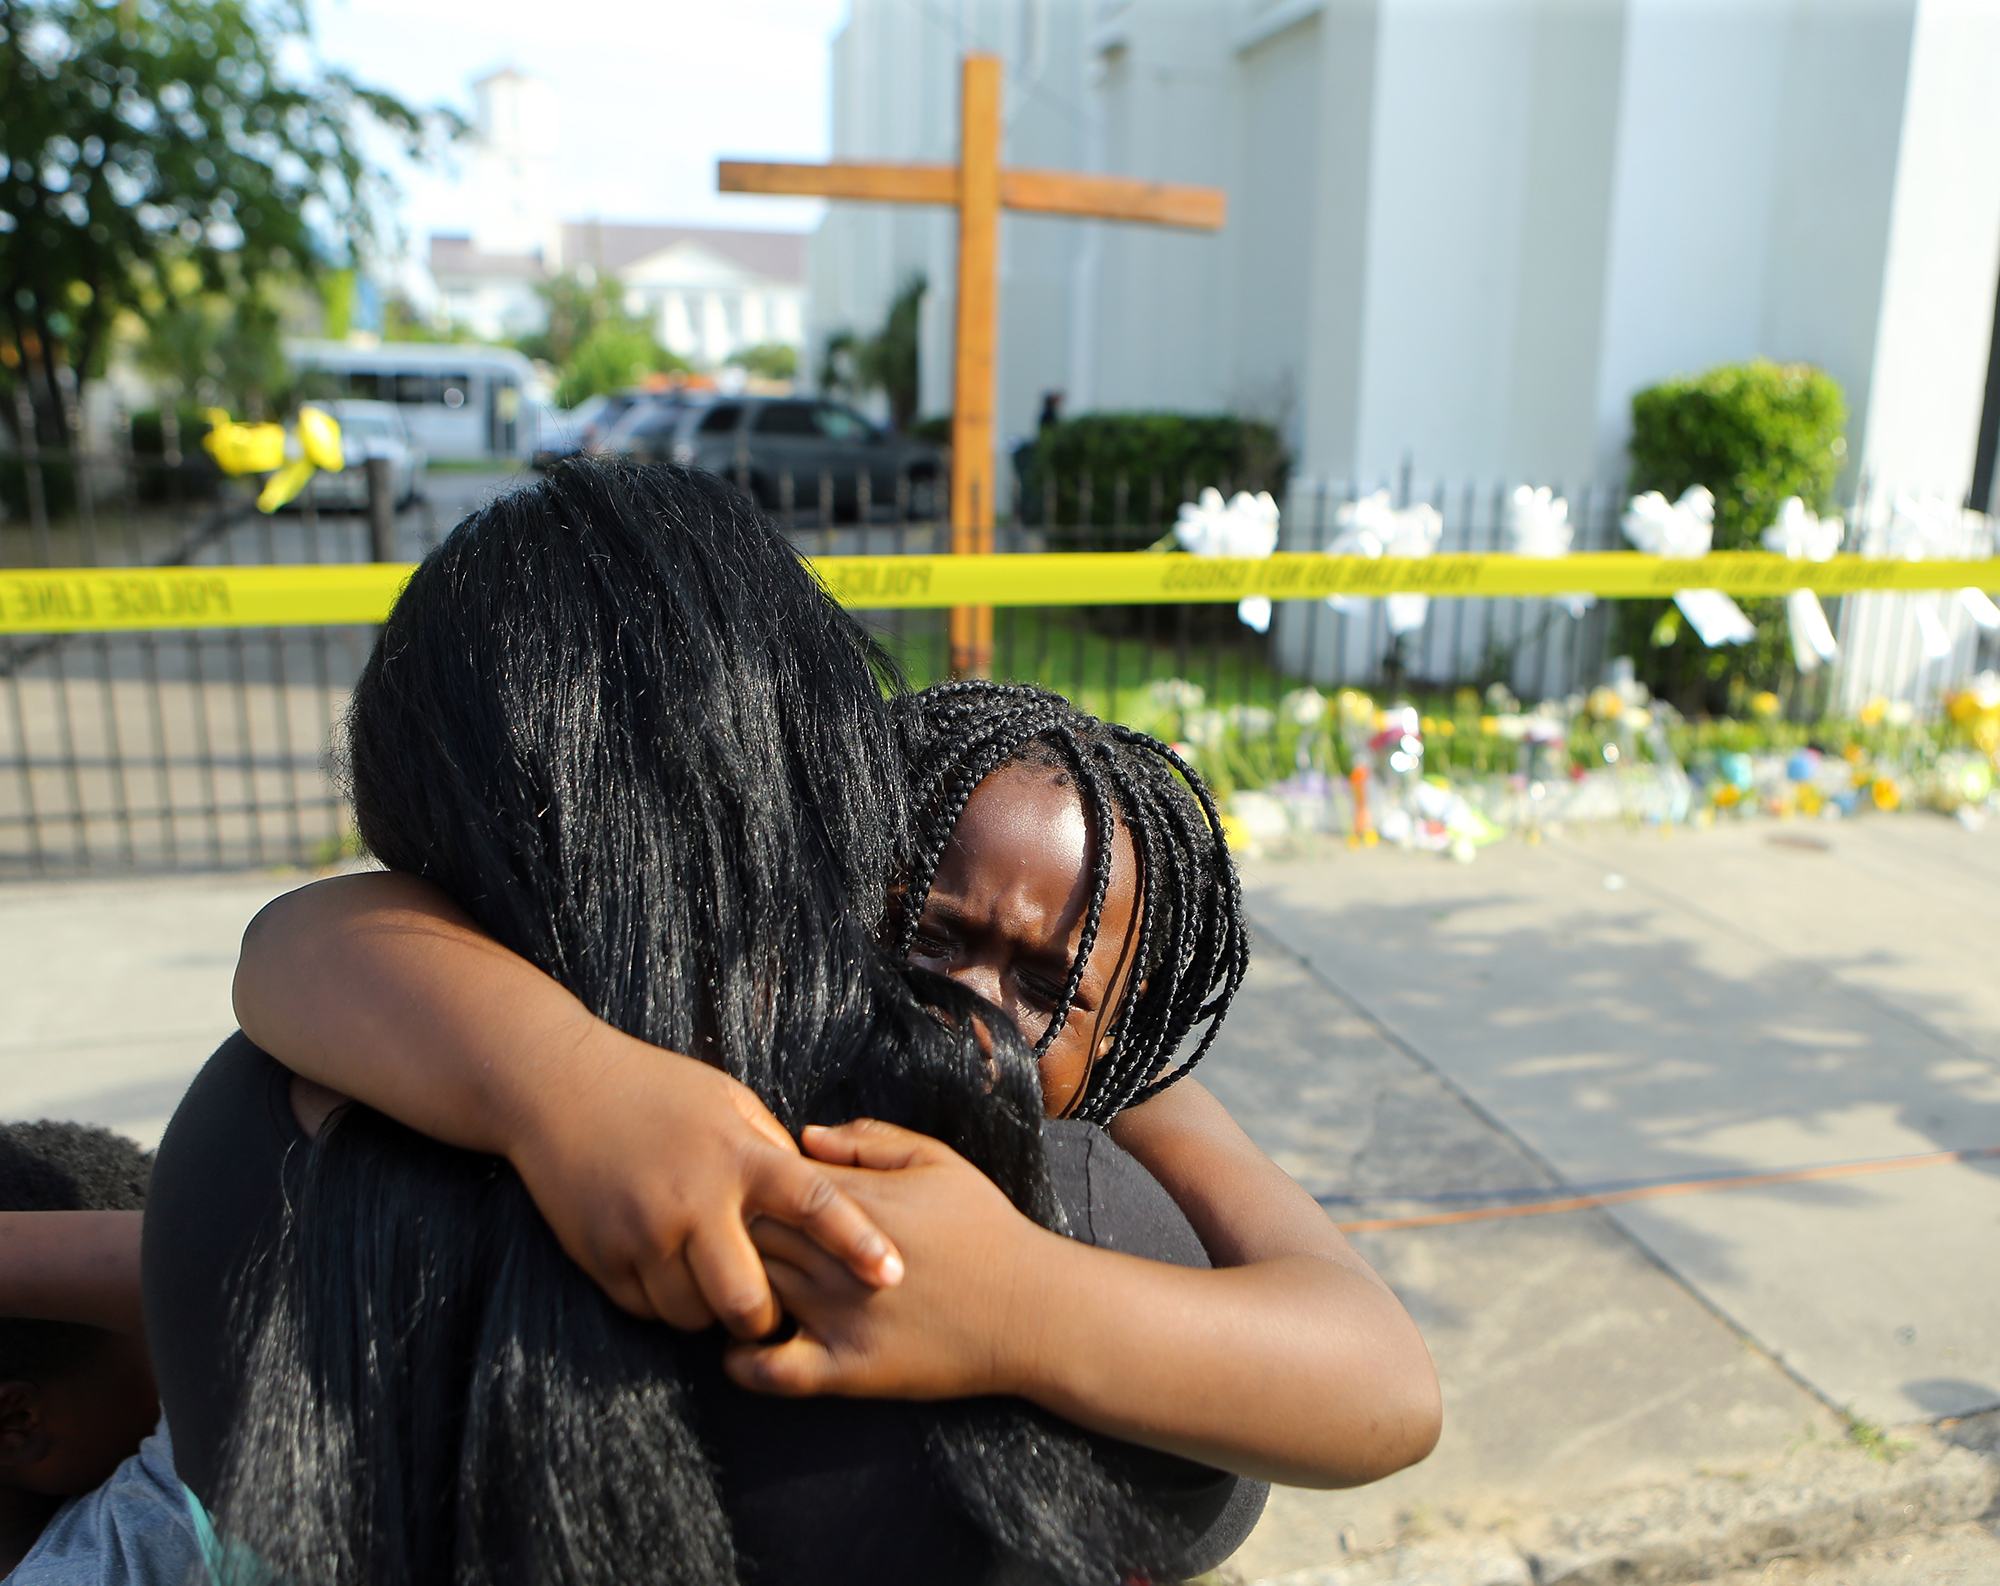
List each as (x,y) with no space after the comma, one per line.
(781,448)
(645,428)
(591,424)
(369,429)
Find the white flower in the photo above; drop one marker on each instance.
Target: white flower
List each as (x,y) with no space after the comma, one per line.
(1254,612)
(1928,528)
(1306,706)
(1683,531)
(1246,526)
(1205,728)
(1538,523)
(1252,721)
(1715,618)
(1371,527)
(1812,635)
(1803,535)
(1175,693)
(1678,530)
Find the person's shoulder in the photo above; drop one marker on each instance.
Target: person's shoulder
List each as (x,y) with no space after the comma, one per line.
(1110,1200)
(134,1530)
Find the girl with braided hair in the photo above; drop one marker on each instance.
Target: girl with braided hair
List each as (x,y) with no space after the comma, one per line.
(999,764)
(1071,873)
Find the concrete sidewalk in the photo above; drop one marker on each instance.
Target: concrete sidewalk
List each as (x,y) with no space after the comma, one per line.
(116,991)
(1633,1007)
(1617,1007)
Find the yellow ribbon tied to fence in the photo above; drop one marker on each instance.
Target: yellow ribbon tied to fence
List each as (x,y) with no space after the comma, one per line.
(260,449)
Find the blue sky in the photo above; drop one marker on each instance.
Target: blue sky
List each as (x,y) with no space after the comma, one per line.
(650,94)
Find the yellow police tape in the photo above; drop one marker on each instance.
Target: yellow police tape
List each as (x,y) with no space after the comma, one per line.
(102,599)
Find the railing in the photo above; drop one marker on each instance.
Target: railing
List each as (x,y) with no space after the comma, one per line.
(190,749)
(208,748)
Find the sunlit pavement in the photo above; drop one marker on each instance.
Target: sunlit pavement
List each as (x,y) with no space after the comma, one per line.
(116,991)
(1615,1007)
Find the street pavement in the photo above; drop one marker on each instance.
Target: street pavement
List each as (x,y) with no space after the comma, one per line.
(1602,1007)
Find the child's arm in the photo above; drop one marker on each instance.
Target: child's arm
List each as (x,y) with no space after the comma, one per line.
(72,1267)
(1290,1361)
(1242,1205)
(648,1164)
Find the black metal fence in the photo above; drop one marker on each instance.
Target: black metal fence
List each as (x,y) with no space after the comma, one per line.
(172,749)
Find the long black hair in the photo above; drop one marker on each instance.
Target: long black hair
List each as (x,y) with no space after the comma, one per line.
(613,717)
(1193,944)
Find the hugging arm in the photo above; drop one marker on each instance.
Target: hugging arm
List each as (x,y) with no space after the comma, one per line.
(1290,1361)
(646,1163)
(72,1267)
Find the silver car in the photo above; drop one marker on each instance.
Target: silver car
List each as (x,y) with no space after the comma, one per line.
(786,450)
(369,429)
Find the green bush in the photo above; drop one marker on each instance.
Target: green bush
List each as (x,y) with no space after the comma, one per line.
(1137,468)
(768,360)
(1753,433)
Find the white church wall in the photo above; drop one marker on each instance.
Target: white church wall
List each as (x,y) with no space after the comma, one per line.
(1571,93)
(1443,225)
(1943,256)
(1839,128)
(1165,90)
(1339,197)
(894,97)
(1688,249)
(1045,107)
(1270,237)
(896,75)
(1468,232)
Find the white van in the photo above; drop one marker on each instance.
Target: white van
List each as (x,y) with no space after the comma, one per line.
(459,401)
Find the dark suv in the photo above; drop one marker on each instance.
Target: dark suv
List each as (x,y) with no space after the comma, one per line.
(789,451)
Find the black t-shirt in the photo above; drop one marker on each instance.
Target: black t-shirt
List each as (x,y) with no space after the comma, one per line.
(822,1490)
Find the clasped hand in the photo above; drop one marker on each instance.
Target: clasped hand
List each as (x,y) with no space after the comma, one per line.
(965,1320)
(684,1199)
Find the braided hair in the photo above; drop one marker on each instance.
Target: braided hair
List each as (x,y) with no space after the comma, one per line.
(1193,945)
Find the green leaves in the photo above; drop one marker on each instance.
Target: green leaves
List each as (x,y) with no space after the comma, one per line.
(1753,433)
(594,342)
(852,365)
(1137,468)
(163,148)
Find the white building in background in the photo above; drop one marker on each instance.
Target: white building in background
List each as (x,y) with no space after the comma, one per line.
(710,294)
(514,129)
(1461,233)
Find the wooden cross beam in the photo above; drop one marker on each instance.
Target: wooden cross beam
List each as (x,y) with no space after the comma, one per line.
(979,188)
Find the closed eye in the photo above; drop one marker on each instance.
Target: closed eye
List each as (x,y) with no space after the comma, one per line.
(926,944)
(1041,990)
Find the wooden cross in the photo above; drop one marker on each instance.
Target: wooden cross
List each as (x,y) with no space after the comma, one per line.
(980,188)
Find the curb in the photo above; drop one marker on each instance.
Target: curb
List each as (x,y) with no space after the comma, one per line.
(1821,1503)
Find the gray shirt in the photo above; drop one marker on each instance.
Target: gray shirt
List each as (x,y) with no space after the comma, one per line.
(135,1530)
